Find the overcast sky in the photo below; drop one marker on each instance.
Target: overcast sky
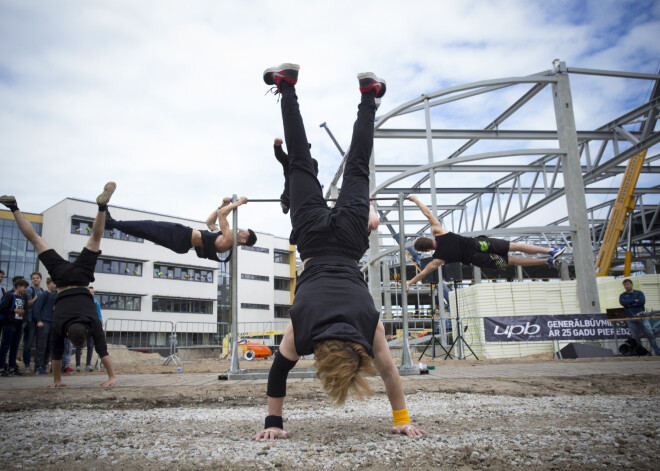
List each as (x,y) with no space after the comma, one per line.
(166,98)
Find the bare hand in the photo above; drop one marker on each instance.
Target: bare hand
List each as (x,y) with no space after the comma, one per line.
(19,312)
(278,141)
(408,287)
(57,385)
(109,383)
(242,200)
(270,434)
(225,201)
(409,430)
(40,324)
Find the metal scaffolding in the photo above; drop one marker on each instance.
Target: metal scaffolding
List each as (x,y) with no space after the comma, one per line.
(539,186)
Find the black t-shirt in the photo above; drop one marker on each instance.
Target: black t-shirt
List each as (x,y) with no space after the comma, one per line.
(10,317)
(452,247)
(332,302)
(76,305)
(208,249)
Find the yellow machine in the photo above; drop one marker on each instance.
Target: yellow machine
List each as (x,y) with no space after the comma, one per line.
(624,204)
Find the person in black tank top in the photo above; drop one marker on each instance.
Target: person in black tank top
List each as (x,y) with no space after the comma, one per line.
(180,238)
(482,251)
(333,314)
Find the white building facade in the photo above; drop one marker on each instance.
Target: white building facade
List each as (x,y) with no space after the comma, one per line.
(145,287)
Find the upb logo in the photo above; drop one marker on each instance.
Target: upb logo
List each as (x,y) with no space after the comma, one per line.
(520,329)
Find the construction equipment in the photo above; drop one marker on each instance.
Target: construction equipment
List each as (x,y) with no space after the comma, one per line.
(624,204)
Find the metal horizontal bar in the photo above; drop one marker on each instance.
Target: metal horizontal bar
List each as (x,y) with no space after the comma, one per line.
(498,168)
(465,190)
(612,73)
(492,134)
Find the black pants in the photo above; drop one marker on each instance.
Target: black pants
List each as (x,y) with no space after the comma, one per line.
(171,235)
(317,229)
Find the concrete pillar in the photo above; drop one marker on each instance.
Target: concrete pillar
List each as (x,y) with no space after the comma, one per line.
(649,267)
(563,271)
(519,272)
(575,196)
(476,274)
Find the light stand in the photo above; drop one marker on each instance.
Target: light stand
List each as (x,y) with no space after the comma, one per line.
(459,337)
(433,340)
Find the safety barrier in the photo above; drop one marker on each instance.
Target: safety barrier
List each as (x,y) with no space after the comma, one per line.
(147,336)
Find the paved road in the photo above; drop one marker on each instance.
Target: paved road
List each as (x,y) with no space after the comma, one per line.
(506,370)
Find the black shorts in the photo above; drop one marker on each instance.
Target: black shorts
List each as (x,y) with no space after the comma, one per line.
(64,273)
(491,253)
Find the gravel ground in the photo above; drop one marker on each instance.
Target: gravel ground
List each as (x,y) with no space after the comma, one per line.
(465,431)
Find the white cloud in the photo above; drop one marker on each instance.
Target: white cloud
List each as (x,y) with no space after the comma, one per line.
(167,99)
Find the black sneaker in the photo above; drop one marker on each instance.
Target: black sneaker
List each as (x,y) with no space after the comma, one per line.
(284,72)
(14,372)
(8,200)
(108,190)
(369,81)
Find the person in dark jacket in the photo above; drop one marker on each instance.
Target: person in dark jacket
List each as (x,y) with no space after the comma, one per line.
(12,309)
(633,302)
(42,314)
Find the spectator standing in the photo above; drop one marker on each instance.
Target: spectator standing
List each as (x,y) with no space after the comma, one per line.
(3,291)
(42,314)
(29,325)
(633,302)
(90,339)
(12,308)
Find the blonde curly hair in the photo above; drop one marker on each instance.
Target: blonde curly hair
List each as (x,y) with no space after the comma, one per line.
(340,366)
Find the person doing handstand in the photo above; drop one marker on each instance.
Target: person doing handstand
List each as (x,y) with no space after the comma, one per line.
(180,238)
(74,311)
(333,314)
(483,252)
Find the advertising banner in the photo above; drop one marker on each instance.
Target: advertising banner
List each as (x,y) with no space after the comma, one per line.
(558,327)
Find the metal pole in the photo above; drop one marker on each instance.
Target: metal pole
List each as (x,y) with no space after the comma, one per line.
(585,272)
(373,269)
(406,359)
(234,294)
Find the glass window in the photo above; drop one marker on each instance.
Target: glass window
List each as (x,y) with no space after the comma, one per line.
(281,257)
(282,284)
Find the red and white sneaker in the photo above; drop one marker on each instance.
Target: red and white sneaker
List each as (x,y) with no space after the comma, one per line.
(369,81)
(68,369)
(281,73)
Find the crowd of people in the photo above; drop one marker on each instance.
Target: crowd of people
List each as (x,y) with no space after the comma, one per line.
(26,316)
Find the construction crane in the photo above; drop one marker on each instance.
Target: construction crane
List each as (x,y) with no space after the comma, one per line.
(624,204)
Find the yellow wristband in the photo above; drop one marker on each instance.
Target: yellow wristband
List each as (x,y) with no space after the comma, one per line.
(400,417)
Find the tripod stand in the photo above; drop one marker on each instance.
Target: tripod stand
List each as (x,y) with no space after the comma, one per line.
(433,340)
(459,337)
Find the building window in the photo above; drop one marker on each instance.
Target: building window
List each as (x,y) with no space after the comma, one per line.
(84,227)
(255,249)
(282,311)
(281,256)
(119,302)
(265,307)
(17,255)
(114,266)
(283,284)
(192,306)
(170,272)
(245,276)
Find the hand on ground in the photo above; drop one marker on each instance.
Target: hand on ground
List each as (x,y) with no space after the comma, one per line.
(57,385)
(110,382)
(271,434)
(409,430)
